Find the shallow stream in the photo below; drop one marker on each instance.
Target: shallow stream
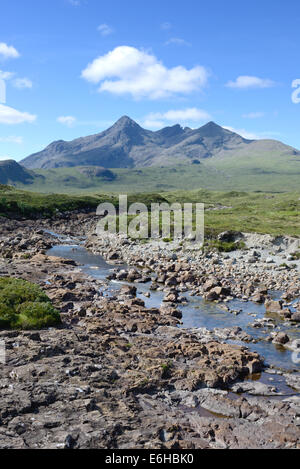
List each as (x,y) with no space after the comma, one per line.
(198,313)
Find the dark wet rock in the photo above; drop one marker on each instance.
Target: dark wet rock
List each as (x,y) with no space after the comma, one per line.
(281,338)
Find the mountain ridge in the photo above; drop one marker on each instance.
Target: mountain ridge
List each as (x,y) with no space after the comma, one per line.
(128,145)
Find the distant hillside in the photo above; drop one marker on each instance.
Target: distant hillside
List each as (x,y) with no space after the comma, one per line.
(11,173)
(128,145)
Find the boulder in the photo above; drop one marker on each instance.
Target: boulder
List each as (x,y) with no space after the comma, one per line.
(274,306)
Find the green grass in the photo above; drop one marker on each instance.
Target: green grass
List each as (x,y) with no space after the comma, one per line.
(262,170)
(260,212)
(275,214)
(14,202)
(223,246)
(24,305)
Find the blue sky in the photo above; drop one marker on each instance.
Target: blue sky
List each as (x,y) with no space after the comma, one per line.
(73,67)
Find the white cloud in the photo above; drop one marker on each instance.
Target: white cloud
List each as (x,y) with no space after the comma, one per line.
(22,83)
(244,133)
(6,75)
(69,121)
(11,116)
(105,30)
(127,70)
(161,119)
(8,52)
(151,123)
(253,115)
(253,136)
(177,41)
(12,139)
(245,81)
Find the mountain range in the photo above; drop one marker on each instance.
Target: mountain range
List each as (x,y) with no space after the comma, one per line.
(127,145)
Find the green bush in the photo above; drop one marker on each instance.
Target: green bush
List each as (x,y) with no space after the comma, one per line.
(223,246)
(7,316)
(296,256)
(24,305)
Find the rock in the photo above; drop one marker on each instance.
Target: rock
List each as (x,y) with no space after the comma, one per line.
(128,290)
(113,256)
(171,281)
(211,296)
(269,260)
(258,298)
(293,381)
(281,338)
(274,306)
(254,388)
(295,317)
(209,284)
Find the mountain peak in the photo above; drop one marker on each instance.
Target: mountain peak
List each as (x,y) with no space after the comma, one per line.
(124,122)
(127,145)
(211,125)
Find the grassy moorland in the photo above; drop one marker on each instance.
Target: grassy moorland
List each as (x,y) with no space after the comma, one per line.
(273,213)
(276,214)
(262,171)
(19,203)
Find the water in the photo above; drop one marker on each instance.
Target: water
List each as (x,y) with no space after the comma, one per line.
(197,312)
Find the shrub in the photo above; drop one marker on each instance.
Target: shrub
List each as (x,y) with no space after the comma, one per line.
(296,256)
(223,246)
(24,305)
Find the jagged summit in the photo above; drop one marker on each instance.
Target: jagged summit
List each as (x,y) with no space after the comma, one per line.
(127,145)
(125,122)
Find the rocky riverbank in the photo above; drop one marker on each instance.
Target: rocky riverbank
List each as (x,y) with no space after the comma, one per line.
(117,374)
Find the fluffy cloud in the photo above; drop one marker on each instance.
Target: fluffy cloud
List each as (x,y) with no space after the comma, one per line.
(69,121)
(244,133)
(12,139)
(159,119)
(127,70)
(244,82)
(6,75)
(22,83)
(8,52)
(11,116)
(253,136)
(105,30)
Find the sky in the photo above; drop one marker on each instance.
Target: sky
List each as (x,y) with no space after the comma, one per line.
(71,68)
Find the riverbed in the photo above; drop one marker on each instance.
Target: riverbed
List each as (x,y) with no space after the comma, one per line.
(198,313)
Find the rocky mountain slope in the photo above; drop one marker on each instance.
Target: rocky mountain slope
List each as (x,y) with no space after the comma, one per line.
(127,145)
(11,172)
